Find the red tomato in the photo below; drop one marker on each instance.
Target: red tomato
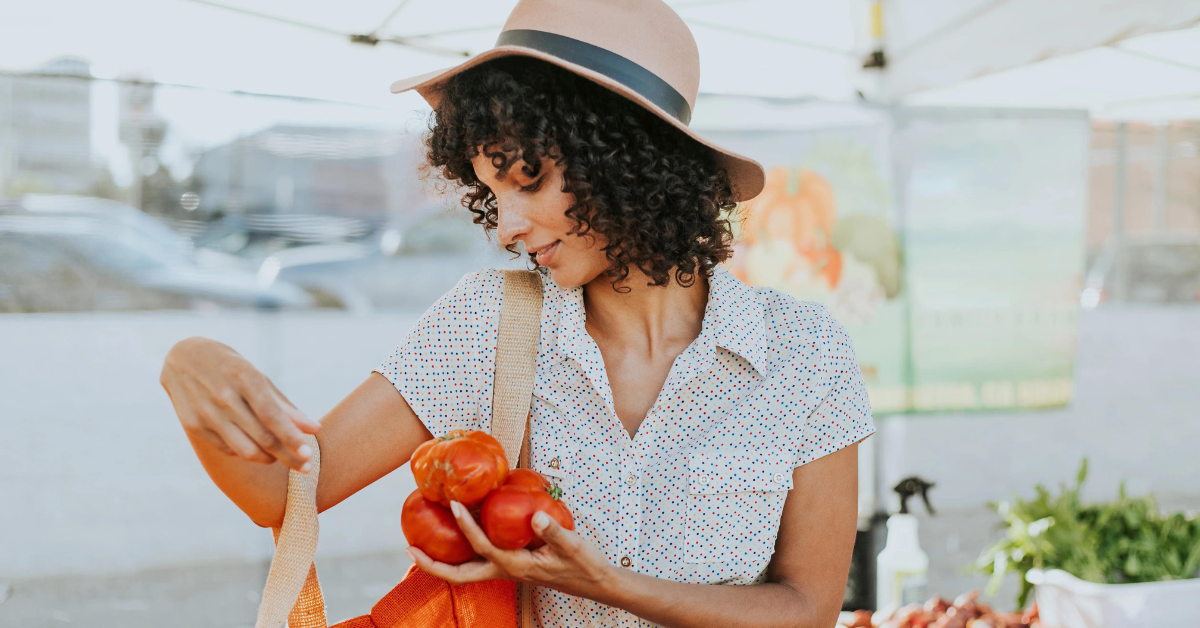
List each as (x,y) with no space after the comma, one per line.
(505,516)
(423,467)
(460,466)
(549,503)
(431,527)
(527,478)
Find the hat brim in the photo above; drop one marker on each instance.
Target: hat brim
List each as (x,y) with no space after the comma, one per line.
(746,176)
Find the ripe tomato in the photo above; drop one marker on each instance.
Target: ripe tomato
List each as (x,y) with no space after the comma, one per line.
(527,478)
(551,504)
(460,466)
(431,527)
(505,516)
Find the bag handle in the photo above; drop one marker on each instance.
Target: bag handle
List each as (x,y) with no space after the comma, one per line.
(292,591)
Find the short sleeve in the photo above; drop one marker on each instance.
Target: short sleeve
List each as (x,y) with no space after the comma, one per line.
(843,416)
(444,366)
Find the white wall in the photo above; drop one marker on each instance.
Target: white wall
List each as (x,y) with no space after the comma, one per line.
(1136,416)
(97,477)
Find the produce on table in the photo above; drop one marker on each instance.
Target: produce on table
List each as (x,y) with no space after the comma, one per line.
(965,612)
(470,467)
(1126,540)
(431,527)
(460,466)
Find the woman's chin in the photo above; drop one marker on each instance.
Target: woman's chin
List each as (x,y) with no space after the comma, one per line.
(563,278)
(567,276)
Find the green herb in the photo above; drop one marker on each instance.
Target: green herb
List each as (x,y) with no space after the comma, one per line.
(1126,540)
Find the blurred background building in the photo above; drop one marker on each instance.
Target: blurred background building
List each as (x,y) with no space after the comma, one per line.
(311,170)
(45,129)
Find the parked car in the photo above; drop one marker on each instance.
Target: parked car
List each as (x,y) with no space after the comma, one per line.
(61,253)
(1145,268)
(325,270)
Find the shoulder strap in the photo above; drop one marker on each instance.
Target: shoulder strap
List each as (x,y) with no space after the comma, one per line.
(292,591)
(516,356)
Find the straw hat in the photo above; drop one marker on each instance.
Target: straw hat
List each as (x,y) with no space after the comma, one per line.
(640,49)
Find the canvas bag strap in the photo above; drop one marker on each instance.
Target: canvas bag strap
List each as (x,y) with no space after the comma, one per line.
(292,591)
(516,355)
(512,385)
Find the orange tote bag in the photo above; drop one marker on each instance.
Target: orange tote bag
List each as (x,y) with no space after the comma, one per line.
(292,591)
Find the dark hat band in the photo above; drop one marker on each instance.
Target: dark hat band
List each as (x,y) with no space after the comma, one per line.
(606,62)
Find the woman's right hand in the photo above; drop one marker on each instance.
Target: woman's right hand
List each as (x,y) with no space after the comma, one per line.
(223,400)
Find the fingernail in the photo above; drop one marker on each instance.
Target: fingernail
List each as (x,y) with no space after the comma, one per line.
(409,554)
(541,519)
(306,468)
(305,451)
(454,508)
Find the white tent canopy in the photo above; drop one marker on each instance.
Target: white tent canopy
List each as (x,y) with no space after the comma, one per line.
(1120,59)
(767,47)
(982,37)
(1117,58)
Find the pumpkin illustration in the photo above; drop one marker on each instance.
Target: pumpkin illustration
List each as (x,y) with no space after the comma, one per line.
(797,206)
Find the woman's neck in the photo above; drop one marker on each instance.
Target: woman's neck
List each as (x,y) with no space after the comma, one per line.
(654,319)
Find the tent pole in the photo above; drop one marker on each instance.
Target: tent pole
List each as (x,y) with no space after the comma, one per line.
(1119,184)
(1119,174)
(1162,176)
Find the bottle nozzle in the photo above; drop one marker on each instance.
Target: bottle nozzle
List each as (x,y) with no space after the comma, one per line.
(912,486)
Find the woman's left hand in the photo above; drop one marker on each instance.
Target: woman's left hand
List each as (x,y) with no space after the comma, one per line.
(567,562)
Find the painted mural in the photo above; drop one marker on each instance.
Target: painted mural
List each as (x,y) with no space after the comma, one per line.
(947,243)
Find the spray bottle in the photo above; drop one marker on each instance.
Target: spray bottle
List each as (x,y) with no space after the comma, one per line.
(901,568)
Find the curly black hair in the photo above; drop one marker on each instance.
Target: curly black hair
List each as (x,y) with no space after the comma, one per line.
(655,195)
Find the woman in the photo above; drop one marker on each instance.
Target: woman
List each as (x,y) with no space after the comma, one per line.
(704,431)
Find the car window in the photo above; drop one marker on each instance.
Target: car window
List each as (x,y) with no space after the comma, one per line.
(123,255)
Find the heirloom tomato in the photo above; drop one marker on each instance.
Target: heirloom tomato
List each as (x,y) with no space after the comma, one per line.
(527,478)
(460,466)
(505,517)
(550,502)
(430,527)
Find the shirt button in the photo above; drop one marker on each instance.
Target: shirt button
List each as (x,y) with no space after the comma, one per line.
(631,480)
(779,478)
(625,561)
(554,463)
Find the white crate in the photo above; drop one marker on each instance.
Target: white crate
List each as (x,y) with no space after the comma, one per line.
(1065,601)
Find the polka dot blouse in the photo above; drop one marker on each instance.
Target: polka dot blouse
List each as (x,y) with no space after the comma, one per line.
(696,495)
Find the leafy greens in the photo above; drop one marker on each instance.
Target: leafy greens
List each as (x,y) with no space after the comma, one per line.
(1123,541)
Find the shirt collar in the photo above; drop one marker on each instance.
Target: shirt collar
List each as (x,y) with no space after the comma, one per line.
(733,319)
